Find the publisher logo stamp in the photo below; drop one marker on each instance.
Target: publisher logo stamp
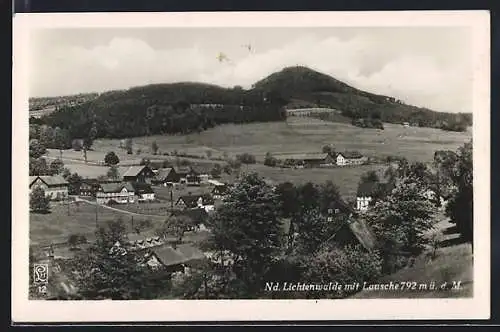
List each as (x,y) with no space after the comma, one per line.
(40,273)
(41,277)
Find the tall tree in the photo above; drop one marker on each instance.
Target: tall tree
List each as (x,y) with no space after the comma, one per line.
(37,149)
(56,166)
(154,147)
(39,202)
(111,269)
(401,220)
(111,158)
(113,173)
(248,229)
(460,205)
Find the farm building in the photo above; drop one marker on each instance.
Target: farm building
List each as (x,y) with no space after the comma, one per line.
(55,186)
(121,193)
(165,176)
(143,191)
(138,174)
(220,191)
(306,159)
(349,158)
(204,201)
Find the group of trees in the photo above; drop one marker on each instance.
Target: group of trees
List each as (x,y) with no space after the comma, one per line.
(166,108)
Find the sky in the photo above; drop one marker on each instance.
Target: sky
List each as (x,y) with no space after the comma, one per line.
(423,66)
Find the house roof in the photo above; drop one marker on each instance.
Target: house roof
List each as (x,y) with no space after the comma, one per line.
(184,253)
(49,180)
(215,182)
(351,154)
(302,156)
(192,200)
(163,173)
(142,188)
(116,187)
(134,170)
(363,233)
(189,252)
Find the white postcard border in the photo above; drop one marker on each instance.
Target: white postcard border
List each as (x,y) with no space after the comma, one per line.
(478,307)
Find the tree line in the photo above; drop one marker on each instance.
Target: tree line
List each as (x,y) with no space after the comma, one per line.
(165,109)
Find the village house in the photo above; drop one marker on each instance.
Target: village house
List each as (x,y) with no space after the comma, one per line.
(55,186)
(204,201)
(220,191)
(176,259)
(187,175)
(165,177)
(120,193)
(143,191)
(138,174)
(349,158)
(368,192)
(89,187)
(306,160)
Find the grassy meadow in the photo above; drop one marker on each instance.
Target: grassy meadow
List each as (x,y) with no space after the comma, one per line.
(296,135)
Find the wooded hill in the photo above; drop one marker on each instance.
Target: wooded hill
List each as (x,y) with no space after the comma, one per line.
(188,106)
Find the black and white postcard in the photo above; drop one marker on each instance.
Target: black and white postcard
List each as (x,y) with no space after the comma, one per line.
(251,166)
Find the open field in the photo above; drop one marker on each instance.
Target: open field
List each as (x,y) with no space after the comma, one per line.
(299,134)
(58,225)
(346,178)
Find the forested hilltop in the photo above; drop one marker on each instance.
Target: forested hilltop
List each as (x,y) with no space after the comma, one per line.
(190,107)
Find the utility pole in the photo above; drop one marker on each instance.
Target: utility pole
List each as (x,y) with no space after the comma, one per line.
(67,199)
(96,213)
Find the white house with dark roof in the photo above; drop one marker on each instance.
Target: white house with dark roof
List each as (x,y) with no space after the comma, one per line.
(55,186)
(120,193)
(349,158)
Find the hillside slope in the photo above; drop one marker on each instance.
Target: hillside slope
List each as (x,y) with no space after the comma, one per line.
(193,107)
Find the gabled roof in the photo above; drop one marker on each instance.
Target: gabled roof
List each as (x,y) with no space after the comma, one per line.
(168,256)
(363,233)
(142,188)
(350,154)
(49,180)
(163,173)
(134,170)
(116,187)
